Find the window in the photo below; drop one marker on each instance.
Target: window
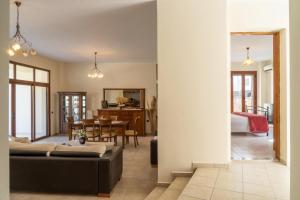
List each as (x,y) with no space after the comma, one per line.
(29,101)
(41,76)
(24,73)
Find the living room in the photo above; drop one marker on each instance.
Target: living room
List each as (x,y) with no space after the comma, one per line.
(53,89)
(190,74)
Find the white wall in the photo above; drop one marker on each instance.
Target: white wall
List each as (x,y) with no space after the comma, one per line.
(268,15)
(116,75)
(258,15)
(56,82)
(295,98)
(4,162)
(193,87)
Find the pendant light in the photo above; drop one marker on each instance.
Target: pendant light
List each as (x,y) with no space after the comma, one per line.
(18,42)
(248,61)
(95,72)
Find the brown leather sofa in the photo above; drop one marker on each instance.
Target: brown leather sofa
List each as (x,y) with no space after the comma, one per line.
(65,172)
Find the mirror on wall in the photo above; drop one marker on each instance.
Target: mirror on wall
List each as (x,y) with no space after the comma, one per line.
(123,97)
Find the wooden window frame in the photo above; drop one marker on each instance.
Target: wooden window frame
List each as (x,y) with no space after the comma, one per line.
(14,81)
(243,74)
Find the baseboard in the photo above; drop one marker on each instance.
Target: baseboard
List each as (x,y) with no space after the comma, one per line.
(210,165)
(163,184)
(182,173)
(283,161)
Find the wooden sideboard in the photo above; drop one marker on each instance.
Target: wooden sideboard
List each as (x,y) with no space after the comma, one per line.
(127,115)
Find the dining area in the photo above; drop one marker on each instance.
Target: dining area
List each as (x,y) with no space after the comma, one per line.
(104,129)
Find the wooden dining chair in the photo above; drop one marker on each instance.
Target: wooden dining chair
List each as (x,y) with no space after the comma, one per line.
(92,130)
(71,128)
(133,133)
(106,131)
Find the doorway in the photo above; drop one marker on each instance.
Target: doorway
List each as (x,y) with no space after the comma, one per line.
(255,93)
(29,101)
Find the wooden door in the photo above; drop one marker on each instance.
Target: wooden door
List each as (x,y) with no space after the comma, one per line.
(243,91)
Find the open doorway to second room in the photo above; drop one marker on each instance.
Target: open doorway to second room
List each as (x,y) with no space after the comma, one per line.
(252,97)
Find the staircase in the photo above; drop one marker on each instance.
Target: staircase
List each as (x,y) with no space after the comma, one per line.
(171,192)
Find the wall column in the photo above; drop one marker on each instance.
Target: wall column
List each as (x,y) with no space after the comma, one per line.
(4,162)
(193,85)
(295,98)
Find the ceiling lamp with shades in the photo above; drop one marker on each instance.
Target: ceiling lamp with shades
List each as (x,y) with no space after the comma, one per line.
(95,72)
(248,61)
(18,43)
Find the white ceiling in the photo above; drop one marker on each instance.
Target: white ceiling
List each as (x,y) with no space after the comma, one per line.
(261,47)
(71,30)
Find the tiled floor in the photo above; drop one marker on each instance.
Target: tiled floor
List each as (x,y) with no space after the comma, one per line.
(243,180)
(138,179)
(245,146)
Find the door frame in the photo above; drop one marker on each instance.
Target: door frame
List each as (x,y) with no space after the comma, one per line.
(276,86)
(243,74)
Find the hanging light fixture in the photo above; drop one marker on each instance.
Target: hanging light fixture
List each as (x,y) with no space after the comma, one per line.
(95,72)
(248,61)
(18,42)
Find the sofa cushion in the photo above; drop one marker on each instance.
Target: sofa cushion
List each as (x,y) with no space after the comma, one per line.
(14,152)
(99,149)
(74,154)
(32,147)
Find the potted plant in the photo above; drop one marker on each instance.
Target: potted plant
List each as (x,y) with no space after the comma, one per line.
(81,136)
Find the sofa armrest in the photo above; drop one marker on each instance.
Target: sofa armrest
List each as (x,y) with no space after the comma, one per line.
(110,170)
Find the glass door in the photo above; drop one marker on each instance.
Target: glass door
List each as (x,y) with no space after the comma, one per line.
(41,110)
(237,93)
(76,112)
(243,91)
(249,93)
(23,111)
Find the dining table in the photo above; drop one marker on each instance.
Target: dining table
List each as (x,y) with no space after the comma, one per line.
(122,125)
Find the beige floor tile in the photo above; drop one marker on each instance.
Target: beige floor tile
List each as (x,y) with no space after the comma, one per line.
(202,181)
(226,195)
(183,197)
(231,176)
(207,172)
(234,167)
(259,190)
(179,183)
(200,192)
(170,195)
(256,179)
(255,197)
(156,193)
(281,191)
(229,185)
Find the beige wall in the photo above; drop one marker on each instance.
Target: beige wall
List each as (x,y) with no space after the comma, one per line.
(4,162)
(193,85)
(295,98)
(116,75)
(56,81)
